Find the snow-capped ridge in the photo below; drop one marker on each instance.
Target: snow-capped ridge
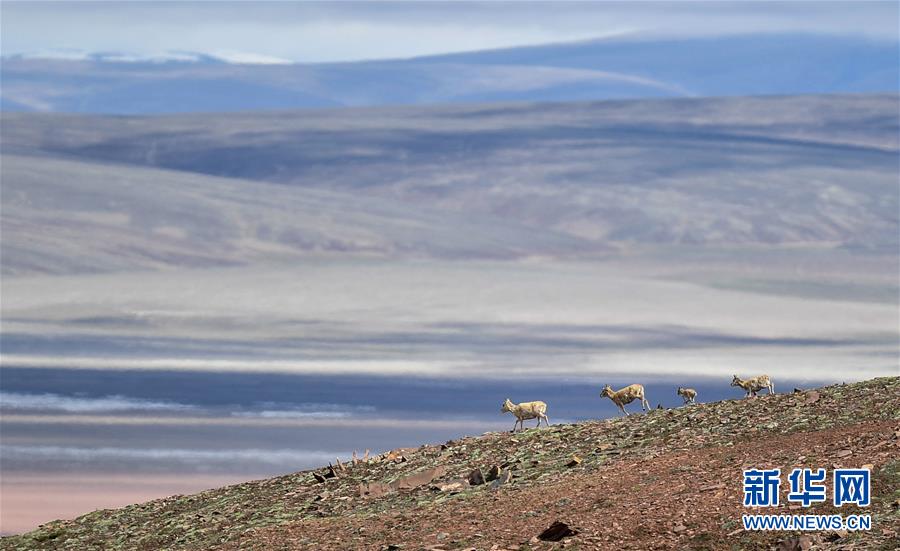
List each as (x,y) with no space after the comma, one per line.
(169,56)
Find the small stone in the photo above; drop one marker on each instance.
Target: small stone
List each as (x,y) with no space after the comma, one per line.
(557,531)
(844,453)
(574,462)
(319,478)
(493,474)
(374,489)
(795,543)
(451,486)
(476,478)
(502,479)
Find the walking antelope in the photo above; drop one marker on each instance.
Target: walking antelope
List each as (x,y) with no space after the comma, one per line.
(625,396)
(689,394)
(526,410)
(754,385)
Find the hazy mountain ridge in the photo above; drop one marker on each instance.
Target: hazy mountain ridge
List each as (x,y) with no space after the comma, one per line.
(623,67)
(63,216)
(814,171)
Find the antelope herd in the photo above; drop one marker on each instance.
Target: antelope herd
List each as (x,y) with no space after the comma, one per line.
(621,398)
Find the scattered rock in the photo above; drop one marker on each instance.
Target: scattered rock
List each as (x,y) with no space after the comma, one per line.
(844,453)
(395,455)
(812,397)
(374,489)
(419,479)
(557,531)
(501,479)
(319,478)
(452,486)
(493,474)
(796,543)
(378,489)
(712,487)
(574,462)
(476,478)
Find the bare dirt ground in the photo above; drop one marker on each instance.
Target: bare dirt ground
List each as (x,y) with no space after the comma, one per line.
(677,500)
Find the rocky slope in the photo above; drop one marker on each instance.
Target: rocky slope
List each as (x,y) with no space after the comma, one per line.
(670,479)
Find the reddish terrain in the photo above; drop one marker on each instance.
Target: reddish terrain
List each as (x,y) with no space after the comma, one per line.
(670,479)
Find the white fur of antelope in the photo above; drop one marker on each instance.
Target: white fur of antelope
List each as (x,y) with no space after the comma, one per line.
(689,394)
(526,410)
(625,396)
(754,385)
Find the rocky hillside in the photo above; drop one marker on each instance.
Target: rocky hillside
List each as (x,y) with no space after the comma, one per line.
(670,479)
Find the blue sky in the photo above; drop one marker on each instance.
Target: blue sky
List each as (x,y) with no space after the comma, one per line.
(345,31)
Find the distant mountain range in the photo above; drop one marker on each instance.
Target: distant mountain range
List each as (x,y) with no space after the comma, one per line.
(624,67)
(102,193)
(62,216)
